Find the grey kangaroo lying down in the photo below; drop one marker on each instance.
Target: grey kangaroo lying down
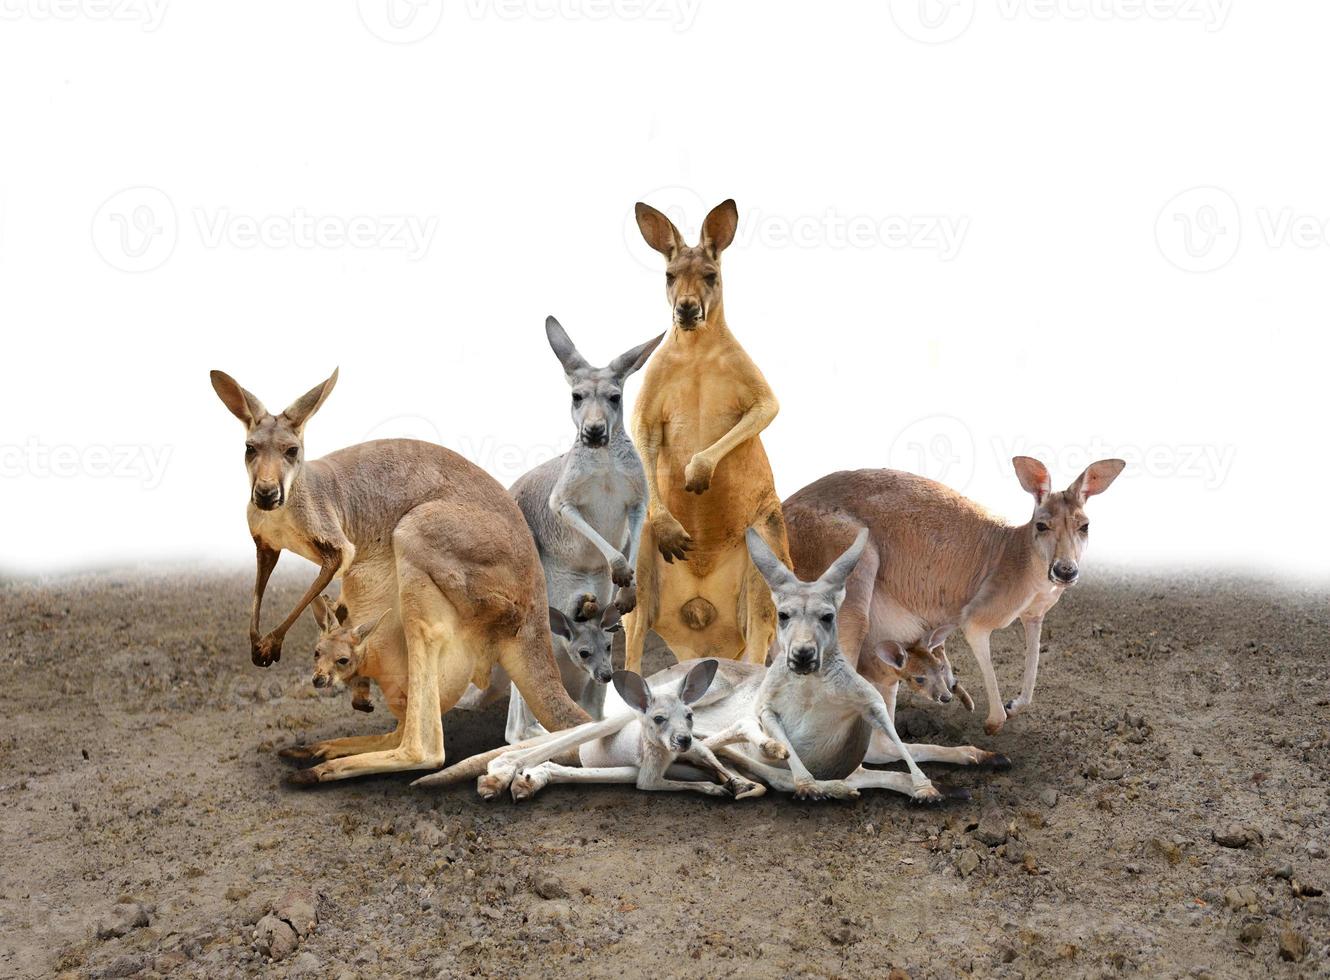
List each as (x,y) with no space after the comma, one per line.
(801,726)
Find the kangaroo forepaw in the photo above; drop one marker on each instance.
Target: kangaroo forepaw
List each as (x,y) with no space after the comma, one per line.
(774,750)
(824,789)
(1015,706)
(625,600)
(587,608)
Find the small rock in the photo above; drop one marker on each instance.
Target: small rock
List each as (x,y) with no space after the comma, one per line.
(1015,852)
(125,965)
(429,834)
(1166,849)
(842,936)
(992,829)
(306,965)
(547,886)
(1243,897)
(1292,944)
(1285,872)
(1251,933)
(1048,796)
(554,913)
(274,937)
(236,892)
(123,917)
(967,862)
(1235,835)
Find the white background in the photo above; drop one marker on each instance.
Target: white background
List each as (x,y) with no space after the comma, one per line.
(1135,192)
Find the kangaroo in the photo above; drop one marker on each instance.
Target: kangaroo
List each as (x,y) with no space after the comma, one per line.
(800,726)
(340,655)
(645,740)
(583,649)
(697,422)
(413,529)
(936,557)
(586,508)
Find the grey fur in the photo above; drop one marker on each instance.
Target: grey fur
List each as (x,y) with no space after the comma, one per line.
(585,509)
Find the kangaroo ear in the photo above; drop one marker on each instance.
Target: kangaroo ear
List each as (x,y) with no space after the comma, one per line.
(321,608)
(610,619)
(840,569)
(1033,476)
(698,680)
(563,347)
(559,624)
(243,405)
(627,363)
(658,230)
(1096,479)
(300,410)
(939,636)
(771,567)
(892,654)
(719,228)
(361,633)
(632,689)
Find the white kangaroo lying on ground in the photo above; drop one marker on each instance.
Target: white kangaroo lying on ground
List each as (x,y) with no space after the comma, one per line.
(800,726)
(646,740)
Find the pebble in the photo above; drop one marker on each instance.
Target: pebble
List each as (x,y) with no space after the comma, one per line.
(306,965)
(1235,835)
(274,937)
(1048,797)
(1292,945)
(1243,896)
(125,965)
(967,863)
(547,886)
(992,829)
(121,920)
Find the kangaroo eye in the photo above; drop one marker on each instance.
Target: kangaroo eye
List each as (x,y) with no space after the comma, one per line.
(251,451)
(828,619)
(1085,528)
(585,654)
(615,399)
(577,398)
(919,680)
(343,661)
(660,719)
(783,616)
(669,278)
(293,452)
(1041,527)
(711,279)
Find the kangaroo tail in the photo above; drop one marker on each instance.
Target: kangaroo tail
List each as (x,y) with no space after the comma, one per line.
(473,767)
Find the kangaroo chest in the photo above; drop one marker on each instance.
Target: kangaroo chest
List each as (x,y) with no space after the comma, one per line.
(829,733)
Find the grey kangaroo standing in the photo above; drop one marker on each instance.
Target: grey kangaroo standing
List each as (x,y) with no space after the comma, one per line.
(585,510)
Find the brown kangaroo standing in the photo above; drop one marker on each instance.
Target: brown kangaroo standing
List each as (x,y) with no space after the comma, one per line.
(415,531)
(936,558)
(697,420)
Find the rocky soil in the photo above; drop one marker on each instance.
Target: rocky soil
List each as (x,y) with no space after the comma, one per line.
(1168,815)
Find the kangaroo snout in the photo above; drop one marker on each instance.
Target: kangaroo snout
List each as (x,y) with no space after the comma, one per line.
(803,659)
(595,434)
(1063,572)
(322,680)
(688,312)
(267,496)
(682,742)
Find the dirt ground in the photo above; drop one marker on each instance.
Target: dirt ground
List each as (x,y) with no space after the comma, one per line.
(140,781)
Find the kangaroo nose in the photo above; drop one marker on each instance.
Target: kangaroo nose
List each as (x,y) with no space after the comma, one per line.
(266,496)
(804,656)
(683,742)
(594,432)
(1065,571)
(320,680)
(688,311)
(604,676)
(945,697)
